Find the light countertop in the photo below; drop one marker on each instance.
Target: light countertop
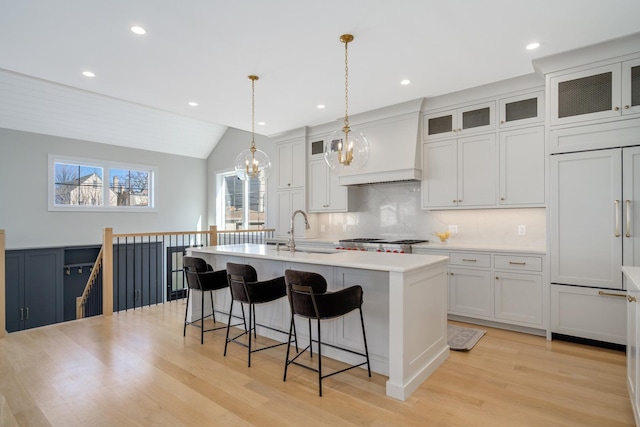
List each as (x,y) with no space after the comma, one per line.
(478,247)
(351,259)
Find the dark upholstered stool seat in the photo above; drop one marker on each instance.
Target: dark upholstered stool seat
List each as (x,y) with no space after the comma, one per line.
(201,277)
(246,289)
(308,298)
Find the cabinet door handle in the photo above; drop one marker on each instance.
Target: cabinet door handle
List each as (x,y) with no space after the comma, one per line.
(517,263)
(451,274)
(617,203)
(497,278)
(626,107)
(611,294)
(617,108)
(628,203)
(21,313)
(631,298)
(27,318)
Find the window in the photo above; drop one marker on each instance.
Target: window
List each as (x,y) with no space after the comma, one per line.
(241,204)
(79,184)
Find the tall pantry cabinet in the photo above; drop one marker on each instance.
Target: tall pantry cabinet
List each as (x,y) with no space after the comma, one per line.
(594,205)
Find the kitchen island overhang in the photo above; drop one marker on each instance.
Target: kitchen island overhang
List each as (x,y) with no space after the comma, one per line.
(405,304)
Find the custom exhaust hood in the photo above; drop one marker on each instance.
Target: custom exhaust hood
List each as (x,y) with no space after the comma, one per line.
(394,139)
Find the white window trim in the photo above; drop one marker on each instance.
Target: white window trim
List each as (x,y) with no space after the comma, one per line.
(220,201)
(106,165)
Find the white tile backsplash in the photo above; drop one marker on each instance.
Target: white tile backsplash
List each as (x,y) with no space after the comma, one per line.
(393,211)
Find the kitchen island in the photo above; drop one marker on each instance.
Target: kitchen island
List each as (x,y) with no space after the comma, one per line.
(405,305)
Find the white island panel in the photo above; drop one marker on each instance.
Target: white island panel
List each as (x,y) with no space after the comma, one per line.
(405,306)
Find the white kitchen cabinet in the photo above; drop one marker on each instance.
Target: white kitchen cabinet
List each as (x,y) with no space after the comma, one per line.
(585,218)
(470,292)
(287,202)
(325,192)
(595,314)
(470,286)
(631,87)
(631,206)
(499,287)
(291,167)
(460,121)
(633,339)
(604,92)
(522,167)
(521,110)
(594,216)
(460,173)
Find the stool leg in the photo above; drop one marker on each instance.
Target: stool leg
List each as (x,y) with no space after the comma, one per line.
(251,310)
(201,317)
(213,313)
(286,360)
(186,310)
(255,331)
(319,359)
(364,335)
(311,339)
(226,341)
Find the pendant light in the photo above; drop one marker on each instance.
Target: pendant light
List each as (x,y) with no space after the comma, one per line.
(252,163)
(346,149)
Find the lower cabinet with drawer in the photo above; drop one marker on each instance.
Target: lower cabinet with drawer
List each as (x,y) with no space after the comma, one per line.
(496,287)
(591,313)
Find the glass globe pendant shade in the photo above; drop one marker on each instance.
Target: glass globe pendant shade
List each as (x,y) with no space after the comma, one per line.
(346,152)
(251,164)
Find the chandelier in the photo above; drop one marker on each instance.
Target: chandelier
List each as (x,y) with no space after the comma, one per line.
(252,163)
(346,149)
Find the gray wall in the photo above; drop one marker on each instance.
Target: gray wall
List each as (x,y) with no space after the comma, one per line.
(181,193)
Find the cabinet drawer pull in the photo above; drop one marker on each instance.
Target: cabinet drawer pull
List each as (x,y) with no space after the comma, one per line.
(469,260)
(631,298)
(611,294)
(517,263)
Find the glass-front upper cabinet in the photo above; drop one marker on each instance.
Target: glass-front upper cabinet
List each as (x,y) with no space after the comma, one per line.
(606,92)
(522,109)
(631,87)
(459,122)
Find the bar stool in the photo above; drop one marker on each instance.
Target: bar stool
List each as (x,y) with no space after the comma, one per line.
(308,298)
(246,289)
(201,277)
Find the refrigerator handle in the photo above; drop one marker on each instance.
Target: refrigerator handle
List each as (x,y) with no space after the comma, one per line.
(628,225)
(617,202)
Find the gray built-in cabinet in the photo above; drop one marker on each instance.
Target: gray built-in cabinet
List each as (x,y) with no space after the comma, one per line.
(34,289)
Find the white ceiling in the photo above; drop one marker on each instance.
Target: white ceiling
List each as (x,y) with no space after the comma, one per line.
(203,51)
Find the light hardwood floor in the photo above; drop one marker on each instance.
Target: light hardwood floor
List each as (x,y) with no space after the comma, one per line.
(136,369)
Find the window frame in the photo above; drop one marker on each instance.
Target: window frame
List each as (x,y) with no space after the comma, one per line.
(106,166)
(221,200)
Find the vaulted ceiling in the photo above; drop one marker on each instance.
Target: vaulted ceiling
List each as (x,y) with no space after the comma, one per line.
(203,51)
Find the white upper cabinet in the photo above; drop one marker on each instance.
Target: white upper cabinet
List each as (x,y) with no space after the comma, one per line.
(522,167)
(459,122)
(522,110)
(460,173)
(631,87)
(600,93)
(325,193)
(291,168)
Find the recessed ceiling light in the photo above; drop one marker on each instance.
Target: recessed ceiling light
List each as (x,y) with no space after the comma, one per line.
(321,106)
(405,82)
(193,103)
(88,74)
(138,30)
(261,123)
(533,45)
